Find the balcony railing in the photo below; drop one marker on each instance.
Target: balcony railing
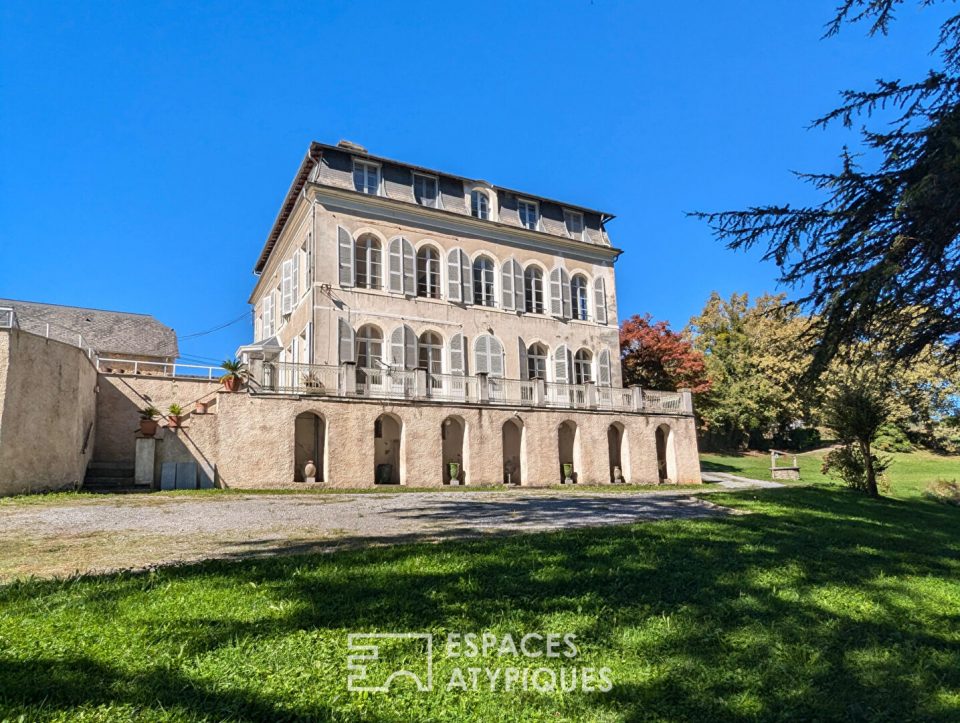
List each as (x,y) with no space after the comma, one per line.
(390,383)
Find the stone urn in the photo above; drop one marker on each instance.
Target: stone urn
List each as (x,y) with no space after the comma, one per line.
(617,475)
(310,471)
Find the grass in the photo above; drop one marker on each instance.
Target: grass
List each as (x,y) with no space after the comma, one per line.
(820,605)
(908,475)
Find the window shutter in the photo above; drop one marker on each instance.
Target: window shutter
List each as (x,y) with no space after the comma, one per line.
(506,285)
(409,269)
(560,365)
(496,357)
(600,300)
(565,291)
(482,355)
(308,275)
(456,354)
(603,368)
(286,287)
(268,315)
(524,371)
(396,266)
(410,348)
(295,294)
(454,283)
(518,286)
(348,347)
(345,245)
(308,356)
(556,294)
(397,348)
(466,276)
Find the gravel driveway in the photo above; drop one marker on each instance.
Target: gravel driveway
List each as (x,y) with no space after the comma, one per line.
(137,531)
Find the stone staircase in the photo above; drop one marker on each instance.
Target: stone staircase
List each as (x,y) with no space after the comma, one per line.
(115,477)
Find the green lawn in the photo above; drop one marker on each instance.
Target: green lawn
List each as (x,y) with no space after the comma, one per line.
(820,605)
(908,474)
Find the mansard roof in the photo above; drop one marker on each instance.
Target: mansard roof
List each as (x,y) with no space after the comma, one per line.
(108,332)
(333,166)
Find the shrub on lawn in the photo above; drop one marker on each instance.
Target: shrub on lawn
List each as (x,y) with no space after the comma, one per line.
(848,463)
(946,491)
(891,438)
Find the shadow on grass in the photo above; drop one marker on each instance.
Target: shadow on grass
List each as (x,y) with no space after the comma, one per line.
(820,605)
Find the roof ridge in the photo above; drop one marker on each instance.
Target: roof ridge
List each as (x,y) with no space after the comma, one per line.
(79,308)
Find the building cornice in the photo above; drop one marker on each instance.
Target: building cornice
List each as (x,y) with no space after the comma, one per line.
(456,224)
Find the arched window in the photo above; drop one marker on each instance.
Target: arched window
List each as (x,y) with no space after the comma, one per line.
(533,290)
(483,281)
(578,289)
(430,347)
(369,347)
(582,363)
(369,262)
(479,205)
(537,362)
(428,273)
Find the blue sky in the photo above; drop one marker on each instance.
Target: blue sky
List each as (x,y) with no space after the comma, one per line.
(146,147)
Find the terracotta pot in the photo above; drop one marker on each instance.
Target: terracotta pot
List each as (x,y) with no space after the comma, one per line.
(231,384)
(148,427)
(173,421)
(202,407)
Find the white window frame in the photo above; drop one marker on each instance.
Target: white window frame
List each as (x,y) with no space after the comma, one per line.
(567,215)
(486,197)
(530,299)
(436,190)
(490,282)
(367,165)
(521,202)
(437,272)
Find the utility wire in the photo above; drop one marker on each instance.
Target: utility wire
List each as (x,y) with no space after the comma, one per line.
(245,315)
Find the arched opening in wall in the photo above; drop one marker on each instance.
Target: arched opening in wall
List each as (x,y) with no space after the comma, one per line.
(309,445)
(568,442)
(388,450)
(514,452)
(453,434)
(666,454)
(619,452)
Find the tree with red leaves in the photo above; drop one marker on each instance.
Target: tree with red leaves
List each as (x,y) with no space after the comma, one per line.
(655,357)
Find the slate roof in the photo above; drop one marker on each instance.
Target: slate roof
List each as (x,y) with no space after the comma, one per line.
(108,332)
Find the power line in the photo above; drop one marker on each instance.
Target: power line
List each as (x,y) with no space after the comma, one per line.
(244,315)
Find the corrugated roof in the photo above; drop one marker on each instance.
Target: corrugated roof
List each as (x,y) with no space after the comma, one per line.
(107,332)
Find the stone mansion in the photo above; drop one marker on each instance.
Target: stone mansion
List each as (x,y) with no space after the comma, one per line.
(410,327)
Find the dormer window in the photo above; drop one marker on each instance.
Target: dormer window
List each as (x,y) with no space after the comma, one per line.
(366,178)
(425,190)
(574,223)
(479,205)
(529,214)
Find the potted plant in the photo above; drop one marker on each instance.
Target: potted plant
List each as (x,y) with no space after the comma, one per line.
(201,407)
(567,472)
(236,372)
(148,420)
(174,411)
(312,382)
(453,469)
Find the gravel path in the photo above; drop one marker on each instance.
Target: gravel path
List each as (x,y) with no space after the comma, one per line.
(127,532)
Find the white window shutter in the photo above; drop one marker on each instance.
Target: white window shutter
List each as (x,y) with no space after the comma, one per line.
(454,283)
(603,368)
(561,365)
(286,287)
(600,300)
(345,246)
(506,285)
(348,347)
(518,286)
(565,291)
(466,276)
(396,266)
(496,357)
(409,348)
(556,294)
(524,371)
(481,353)
(295,294)
(268,316)
(409,269)
(397,348)
(456,354)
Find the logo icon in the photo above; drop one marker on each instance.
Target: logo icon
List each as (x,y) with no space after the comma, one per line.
(369,667)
